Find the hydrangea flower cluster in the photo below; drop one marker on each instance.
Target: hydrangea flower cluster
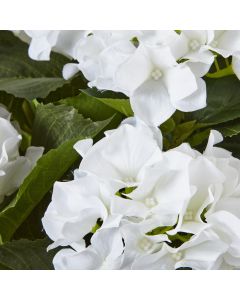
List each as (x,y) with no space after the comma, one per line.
(13,167)
(132,205)
(160,71)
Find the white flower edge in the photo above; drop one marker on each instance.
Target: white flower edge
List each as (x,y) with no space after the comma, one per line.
(13,167)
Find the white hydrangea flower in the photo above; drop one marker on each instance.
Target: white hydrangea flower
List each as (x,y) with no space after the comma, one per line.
(140,147)
(213,192)
(137,243)
(188,45)
(192,46)
(92,194)
(105,252)
(44,41)
(215,202)
(201,252)
(159,84)
(158,37)
(163,207)
(76,208)
(99,54)
(160,71)
(13,167)
(198,46)
(110,60)
(225,42)
(168,213)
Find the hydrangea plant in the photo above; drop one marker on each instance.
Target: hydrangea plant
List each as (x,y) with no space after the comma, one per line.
(120,149)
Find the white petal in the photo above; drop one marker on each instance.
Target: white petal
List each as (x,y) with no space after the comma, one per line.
(158,261)
(133,72)
(112,221)
(227,224)
(199,35)
(68,259)
(7,132)
(162,57)
(114,55)
(111,160)
(4,113)
(199,69)
(153,130)
(151,103)
(129,208)
(33,154)
(215,137)
(69,70)
(158,37)
(83,146)
(195,101)
(42,43)
(53,223)
(227,42)
(203,256)
(75,230)
(180,82)
(204,56)
(108,243)
(236,65)
(67,40)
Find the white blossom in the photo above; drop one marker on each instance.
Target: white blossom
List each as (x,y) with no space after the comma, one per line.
(225,42)
(43,41)
(160,71)
(137,146)
(201,252)
(105,252)
(13,167)
(76,208)
(99,54)
(168,213)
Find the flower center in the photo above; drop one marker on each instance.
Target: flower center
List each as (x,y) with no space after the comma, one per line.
(156,74)
(145,244)
(177,256)
(188,216)
(150,202)
(194,45)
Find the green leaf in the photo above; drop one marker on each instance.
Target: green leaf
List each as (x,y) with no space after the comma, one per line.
(121,105)
(31,88)
(70,89)
(182,132)
(32,227)
(17,108)
(89,107)
(168,126)
(199,137)
(230,128)
(223,101)
(15,62)
(232,144)
(94,92)
(26,255)
(50,168)
(54,125)
(23,77)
